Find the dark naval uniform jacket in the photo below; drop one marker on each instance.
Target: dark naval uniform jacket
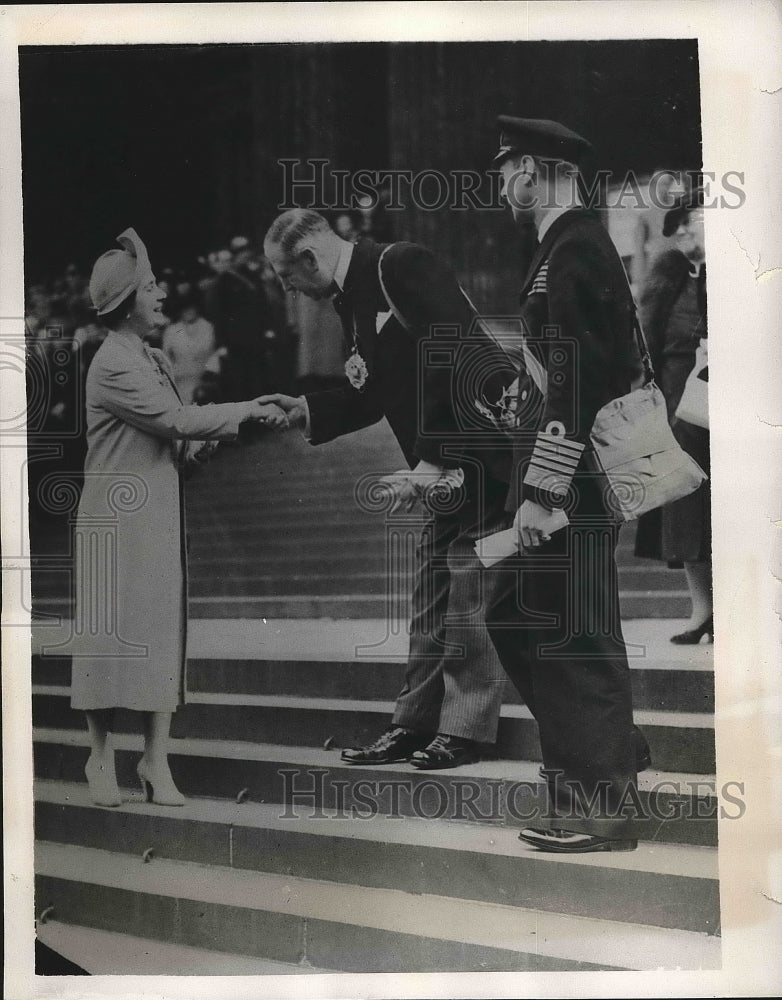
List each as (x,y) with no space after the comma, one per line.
(578,315)
(425,377)
(556,621)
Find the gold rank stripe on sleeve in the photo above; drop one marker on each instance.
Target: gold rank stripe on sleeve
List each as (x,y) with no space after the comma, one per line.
(553,463)
(538,286)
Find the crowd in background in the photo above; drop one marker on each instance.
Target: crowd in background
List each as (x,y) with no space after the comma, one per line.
(227,327)
(224,316)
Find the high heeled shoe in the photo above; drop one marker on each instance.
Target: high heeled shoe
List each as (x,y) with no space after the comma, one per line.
(692,636)
(104,790)
(158,788)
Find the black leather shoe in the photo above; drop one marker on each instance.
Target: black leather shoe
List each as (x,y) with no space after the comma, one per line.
(694,635)
(446,751)
(393,746)
(568,842)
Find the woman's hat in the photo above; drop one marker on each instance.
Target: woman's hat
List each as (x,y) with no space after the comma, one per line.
(117,273)
(680,209)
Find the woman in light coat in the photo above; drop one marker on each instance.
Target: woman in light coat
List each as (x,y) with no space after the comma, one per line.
(131,572)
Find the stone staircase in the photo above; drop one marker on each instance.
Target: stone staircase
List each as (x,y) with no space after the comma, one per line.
(285,859)
(284,854)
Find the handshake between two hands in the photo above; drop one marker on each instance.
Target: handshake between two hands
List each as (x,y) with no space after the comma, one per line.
(266,411)
(278,411)
(274,411)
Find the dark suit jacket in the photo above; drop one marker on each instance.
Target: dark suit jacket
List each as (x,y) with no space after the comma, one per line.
(579,323)
(425,379)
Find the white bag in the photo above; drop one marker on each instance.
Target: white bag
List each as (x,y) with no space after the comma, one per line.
(694,405)
(637,458)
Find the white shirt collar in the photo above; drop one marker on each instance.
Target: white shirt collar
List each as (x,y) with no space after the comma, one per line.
(695,269)
(551,216)
(345,256)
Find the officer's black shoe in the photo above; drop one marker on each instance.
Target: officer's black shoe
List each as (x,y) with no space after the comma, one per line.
(393,746)
(568,842)
(446,751)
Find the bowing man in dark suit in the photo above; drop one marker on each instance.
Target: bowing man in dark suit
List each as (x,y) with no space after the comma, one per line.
(413,349)
(556,624)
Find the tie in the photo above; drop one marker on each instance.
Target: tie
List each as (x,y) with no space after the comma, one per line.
(337,298)
(344,310)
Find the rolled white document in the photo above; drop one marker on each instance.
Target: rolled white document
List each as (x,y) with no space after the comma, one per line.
(492,549)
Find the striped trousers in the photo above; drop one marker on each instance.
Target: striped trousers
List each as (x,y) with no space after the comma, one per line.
(454,681)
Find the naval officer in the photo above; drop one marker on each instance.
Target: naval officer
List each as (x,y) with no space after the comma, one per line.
(555,619)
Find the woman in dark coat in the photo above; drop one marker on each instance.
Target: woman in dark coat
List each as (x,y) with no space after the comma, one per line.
(673,313)
(131,569)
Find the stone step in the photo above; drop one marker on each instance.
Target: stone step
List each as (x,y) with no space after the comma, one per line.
(668,686)
(301,532)
(634,604)
(290,510)
(661,885)
(344,927)
(654,604)
(287,517)
(290,455)
(376,560)
(280,577)
(675,808)
(679,741)
(319,540)
(110,953)
(366,639)
(286,579)
(284,561)
(298,492)
(319,534)
(304,487)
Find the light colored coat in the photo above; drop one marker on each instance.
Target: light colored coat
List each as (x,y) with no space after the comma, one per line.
(130,550)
